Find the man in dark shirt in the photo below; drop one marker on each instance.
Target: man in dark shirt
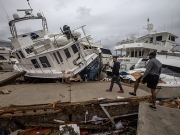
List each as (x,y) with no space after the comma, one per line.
(115,75)
(151,77)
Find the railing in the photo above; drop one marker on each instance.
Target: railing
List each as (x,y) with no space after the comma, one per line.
(56,44)
(31,67)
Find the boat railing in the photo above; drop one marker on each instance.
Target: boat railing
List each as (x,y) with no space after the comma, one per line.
(34,68)
(173,76)
(82,28)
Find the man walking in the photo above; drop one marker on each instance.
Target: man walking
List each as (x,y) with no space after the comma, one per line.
(115,75)
(151,77)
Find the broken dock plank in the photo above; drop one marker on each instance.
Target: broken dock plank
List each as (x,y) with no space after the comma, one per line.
(9,77)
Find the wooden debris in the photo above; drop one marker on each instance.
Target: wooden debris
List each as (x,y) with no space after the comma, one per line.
(12,78)
(4,91)
(57,107)
(178,101)
(55,103)
(136,75)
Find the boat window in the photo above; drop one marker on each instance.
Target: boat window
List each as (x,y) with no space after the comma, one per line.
(145,59)
(2,57)
(59,55)
(106,51)
(132,54)
(172,38)
(151,40)
(85,47)
(29,50)
(135,53)
(22,55)
(18,56)
(74,48)
(56,58)
(44,62)
(35,63)
(66,51)
(140,53)
(159,38)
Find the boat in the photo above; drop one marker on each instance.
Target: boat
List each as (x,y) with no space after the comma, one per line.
(4,43)
(136,56)
(170,60)
(7,61)
(137,48)
(53,55)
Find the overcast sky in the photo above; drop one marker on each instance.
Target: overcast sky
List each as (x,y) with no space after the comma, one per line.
(107,20)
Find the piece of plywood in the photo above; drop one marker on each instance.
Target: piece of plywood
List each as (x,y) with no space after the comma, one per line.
(4,91)
(136,75)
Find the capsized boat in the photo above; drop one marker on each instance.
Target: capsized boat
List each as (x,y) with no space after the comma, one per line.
(46,55)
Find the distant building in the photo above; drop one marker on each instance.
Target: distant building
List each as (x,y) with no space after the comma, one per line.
(4,43)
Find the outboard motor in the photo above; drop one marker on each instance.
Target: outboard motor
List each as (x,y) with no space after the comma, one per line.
(67,32)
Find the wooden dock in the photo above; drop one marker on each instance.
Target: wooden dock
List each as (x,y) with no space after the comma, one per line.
(9,77)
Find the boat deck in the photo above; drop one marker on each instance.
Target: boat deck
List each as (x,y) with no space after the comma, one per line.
(29,94)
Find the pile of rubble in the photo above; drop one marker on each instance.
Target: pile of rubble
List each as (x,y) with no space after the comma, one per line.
(90,117)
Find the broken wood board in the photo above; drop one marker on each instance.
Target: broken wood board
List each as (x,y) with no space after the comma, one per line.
(4,91)
(56,107)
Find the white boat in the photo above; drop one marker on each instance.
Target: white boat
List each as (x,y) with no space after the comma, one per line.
(45,55)
(106,54)
(7,61)
(168,79)
(137,49)
(170,59)
(4,43)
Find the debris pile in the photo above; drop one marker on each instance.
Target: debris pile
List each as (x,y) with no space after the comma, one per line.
(90,117)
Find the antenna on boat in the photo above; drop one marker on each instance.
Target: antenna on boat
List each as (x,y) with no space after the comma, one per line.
(149,27)
(138,29)
(171,22)
(29,4)
(61,30)
(7,16)
(148,20)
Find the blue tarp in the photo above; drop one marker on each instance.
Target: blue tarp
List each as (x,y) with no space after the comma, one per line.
(123,73)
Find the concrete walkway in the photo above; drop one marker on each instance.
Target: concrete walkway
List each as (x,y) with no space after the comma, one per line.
(27,94)
(164,121)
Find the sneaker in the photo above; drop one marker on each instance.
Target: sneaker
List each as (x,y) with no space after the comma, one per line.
(132,93)
(152,107)
(109,90)
(121,91)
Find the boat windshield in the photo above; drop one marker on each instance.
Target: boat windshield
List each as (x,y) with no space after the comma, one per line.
(28,26)
(171,71)
(176,48)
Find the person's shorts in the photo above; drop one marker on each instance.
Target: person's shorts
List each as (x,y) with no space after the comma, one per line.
(151,80)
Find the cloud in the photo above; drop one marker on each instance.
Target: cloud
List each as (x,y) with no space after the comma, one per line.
(4,33)
(83,12)
(108,21)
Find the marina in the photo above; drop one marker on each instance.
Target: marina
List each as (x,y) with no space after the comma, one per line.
(84,68)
